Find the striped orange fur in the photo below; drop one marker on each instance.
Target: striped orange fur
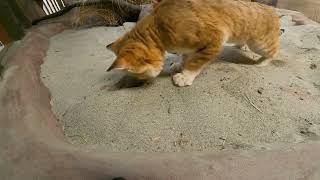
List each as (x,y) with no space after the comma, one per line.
(197,29)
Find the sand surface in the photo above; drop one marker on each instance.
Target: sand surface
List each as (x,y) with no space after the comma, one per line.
(231,105)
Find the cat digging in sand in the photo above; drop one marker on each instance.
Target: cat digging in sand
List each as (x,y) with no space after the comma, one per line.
(196,29)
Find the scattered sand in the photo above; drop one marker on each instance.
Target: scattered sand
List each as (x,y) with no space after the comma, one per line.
(231,105)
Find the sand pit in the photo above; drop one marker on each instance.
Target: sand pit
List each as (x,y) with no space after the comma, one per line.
(231,105)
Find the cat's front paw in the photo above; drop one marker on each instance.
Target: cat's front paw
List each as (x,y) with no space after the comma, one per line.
(242,47)
(181,79)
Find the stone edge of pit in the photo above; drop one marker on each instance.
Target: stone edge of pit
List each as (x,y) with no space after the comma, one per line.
(33,145)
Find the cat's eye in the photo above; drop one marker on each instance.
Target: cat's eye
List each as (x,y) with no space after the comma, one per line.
(148,61)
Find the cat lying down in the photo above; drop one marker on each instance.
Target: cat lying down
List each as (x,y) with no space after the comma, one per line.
(196,29)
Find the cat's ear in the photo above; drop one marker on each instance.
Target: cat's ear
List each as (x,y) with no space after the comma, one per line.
(109,46)
(119,64)
(155,1)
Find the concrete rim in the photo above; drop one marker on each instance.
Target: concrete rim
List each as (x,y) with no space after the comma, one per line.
(34,147)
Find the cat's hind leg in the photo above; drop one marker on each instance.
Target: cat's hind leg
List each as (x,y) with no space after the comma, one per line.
(195,62)
(268,49)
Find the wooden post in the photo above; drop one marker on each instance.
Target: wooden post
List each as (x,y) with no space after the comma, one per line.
(4,36)
(12,21)
(31,9)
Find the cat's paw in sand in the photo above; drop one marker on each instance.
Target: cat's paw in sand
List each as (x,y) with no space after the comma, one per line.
(242,47)
(184,78)
(262,62)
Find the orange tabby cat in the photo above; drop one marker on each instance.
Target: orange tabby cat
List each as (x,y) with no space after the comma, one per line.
(197,29)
